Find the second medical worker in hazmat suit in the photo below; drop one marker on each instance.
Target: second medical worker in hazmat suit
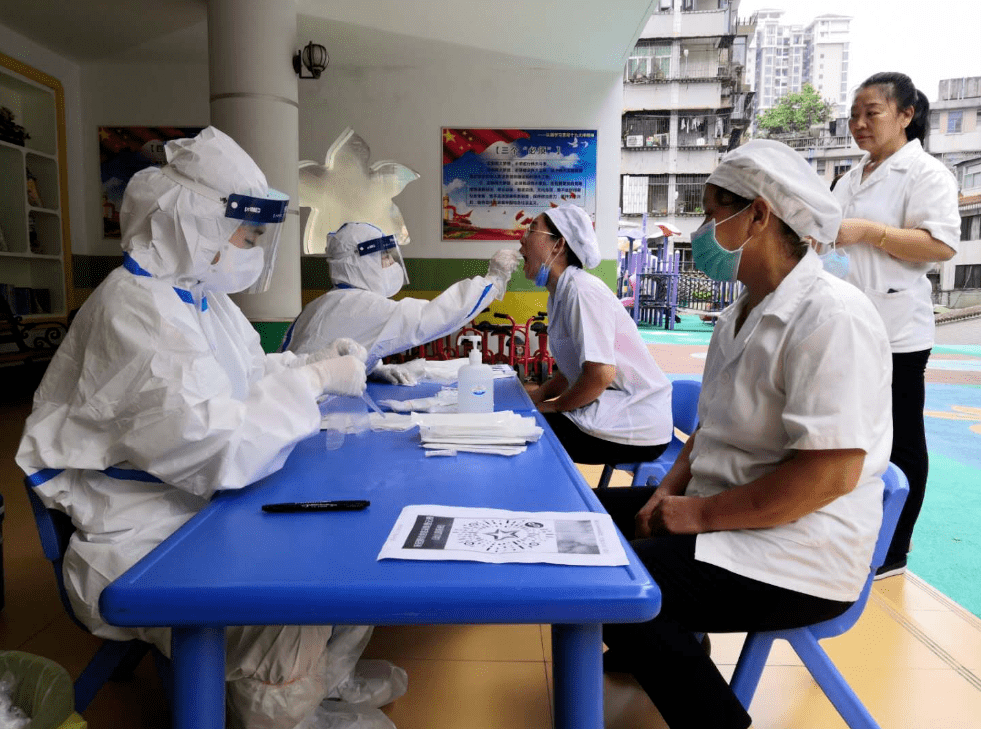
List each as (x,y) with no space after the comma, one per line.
(366,268)
(161,394)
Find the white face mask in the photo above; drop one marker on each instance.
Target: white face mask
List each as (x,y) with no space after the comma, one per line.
(235,270)
(392,278)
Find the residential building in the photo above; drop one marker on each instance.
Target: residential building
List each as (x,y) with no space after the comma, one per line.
(958,284)
(684,105)
(955,121)
(783,57)
(826,41)
(955,139)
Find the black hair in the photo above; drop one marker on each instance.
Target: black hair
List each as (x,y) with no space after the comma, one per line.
(570,255)
(731,201)
(899,87)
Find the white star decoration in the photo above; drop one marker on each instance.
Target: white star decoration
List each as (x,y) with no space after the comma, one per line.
(345,189)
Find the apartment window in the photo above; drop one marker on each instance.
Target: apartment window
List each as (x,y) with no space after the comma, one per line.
(646,130)
(978,119)
(954,119)
(634,194)
(842,167)
(966,228)
(971,178)
(689,188)
(658,194)
(934,120)
(821,166)
(967,277)
(649,62)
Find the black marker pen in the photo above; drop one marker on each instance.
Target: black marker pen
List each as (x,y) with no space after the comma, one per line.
(288,508)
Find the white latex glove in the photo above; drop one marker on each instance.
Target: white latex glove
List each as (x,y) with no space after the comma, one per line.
(395,373)
(503,264)
(344,346)
(338,375)
(337,348)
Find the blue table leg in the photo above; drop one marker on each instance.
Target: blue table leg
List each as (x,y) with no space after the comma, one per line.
(198,656)
(577,668)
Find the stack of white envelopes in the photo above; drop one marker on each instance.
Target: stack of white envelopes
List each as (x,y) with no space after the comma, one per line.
(501,433)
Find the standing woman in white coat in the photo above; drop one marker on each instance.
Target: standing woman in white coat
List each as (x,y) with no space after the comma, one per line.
(900,217)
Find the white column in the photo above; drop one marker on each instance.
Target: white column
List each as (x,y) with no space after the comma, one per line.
(254,100)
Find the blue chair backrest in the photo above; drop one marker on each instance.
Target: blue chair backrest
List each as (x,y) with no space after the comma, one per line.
(55,529)
(895,491)
(684,404)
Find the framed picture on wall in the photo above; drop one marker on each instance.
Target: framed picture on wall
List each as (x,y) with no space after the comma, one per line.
(496,181)
(124,151)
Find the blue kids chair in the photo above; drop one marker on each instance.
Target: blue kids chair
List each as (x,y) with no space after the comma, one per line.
(804,640)
(115,659)
(684,416)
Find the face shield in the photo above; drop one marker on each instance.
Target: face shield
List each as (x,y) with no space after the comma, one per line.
(392,271)
(251,228)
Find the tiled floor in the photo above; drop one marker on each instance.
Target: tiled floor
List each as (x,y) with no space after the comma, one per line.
(914,658)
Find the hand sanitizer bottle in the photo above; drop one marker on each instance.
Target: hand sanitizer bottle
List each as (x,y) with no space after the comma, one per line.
(475,387)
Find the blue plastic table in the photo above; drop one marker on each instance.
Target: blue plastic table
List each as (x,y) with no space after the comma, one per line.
(233,564)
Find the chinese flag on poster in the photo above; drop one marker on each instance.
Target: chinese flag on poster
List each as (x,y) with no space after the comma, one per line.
(457,142)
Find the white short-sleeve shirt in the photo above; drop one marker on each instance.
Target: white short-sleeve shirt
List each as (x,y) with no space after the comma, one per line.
(587,323)
(810,369)
(910,190)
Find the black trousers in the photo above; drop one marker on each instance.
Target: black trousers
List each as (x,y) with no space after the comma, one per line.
(585,448)
(663,654)
(909,448)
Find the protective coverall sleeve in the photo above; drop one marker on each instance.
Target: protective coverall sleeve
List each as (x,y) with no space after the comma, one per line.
(417,321)
(145,390)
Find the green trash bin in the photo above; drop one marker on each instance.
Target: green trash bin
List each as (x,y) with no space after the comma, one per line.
(43,690)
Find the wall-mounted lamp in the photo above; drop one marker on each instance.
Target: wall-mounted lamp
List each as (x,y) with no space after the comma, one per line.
(313,57)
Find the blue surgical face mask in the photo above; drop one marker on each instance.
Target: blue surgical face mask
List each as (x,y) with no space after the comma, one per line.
(711,258)
(835,262)
(541,278)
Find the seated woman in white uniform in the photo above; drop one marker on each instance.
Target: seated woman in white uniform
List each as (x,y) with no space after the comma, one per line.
(608,401)
(769,517)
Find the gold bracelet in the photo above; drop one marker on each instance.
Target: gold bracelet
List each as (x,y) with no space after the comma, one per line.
(882,238)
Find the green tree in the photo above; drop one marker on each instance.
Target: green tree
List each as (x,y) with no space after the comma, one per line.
(795,113)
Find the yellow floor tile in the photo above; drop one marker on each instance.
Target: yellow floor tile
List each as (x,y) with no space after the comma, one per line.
(727,646)
(592,474)
(959,638)
(626,706)
(878,642)
(456,643)
(908,593)
(473,695)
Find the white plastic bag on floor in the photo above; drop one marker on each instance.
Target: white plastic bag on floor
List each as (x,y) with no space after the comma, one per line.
(12,717)
(340,715)
(373,683)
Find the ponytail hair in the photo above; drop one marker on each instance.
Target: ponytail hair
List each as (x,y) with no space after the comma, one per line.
(899,87)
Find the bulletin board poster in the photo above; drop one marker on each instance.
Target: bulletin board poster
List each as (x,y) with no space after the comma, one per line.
(124,151)
(496,181)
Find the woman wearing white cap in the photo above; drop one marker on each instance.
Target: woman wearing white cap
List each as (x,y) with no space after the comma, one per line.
(900,209)
(608,401)
(769,517)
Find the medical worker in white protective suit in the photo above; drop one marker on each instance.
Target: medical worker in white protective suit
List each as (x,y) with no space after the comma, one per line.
(160,395)
(366,268)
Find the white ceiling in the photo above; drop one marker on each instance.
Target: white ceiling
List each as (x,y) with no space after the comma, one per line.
(588,34)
